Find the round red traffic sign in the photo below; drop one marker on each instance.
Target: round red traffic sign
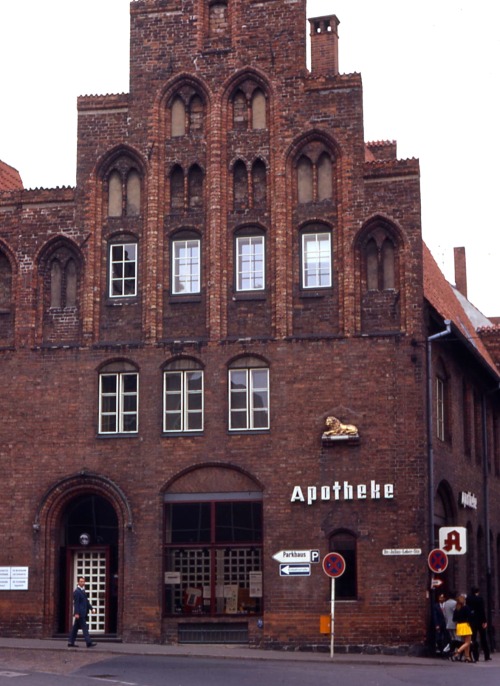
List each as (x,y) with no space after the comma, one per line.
(437,560)
(334,565)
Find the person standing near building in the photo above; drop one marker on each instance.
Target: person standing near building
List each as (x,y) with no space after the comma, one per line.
(439,619)
(478,622)
(448,608)
(462,617)
(82,607)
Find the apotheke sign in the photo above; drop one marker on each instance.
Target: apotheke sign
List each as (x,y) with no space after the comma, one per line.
(468,500)
(344,491)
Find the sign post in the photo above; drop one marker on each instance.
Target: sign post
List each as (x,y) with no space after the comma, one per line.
(333,566)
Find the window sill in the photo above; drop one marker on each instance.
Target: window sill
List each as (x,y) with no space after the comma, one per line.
(249,295)
(123,300)
(179,299)
(316,293)
(182,434)
(248,432)
(119,435)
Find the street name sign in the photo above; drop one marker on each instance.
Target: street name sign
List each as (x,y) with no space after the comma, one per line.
(402,551)
(295,556)
(295,570)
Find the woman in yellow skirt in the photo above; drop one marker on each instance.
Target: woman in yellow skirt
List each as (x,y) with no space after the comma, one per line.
(461,616)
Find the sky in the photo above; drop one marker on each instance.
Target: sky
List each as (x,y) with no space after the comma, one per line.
(430,73)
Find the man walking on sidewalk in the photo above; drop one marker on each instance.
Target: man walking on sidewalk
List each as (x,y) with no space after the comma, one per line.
(82,607)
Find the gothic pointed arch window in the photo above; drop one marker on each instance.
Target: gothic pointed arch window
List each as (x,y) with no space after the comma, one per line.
(315,174)
(305,182)
(71,283)
(55,284)
(240,185)
(195,187)
(177,188)
(259,184)
(5,283)
(178,117)
(259,117)
(240,111)
(124,189)
(196,114)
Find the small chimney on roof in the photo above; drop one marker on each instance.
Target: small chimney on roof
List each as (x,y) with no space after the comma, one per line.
(324,45)
(460,270)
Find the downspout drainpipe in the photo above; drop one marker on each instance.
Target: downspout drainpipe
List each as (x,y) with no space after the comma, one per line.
(430,433)
(430,468)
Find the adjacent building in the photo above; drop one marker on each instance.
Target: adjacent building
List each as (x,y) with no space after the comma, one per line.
(227,353)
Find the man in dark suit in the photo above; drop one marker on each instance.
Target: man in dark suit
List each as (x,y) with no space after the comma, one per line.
(478,623)
(82,607)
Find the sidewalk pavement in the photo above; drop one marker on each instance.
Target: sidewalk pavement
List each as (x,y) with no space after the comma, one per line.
(105,649)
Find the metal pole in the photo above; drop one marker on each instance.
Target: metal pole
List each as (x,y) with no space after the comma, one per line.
(332,615)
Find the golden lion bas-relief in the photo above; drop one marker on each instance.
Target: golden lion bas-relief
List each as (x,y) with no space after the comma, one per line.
(334,427)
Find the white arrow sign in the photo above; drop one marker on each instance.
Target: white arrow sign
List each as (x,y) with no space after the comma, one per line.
(295,556)
(295,570)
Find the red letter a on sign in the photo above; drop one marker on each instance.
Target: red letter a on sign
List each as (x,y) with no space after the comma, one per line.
(452,542)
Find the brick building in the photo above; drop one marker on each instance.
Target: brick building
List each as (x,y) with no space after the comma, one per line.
(235,266)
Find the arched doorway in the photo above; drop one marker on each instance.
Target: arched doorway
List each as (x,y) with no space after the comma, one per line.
(445,514)
(89,547)
(83,520)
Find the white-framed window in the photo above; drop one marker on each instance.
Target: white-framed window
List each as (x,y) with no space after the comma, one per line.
(123,270)
(186,266)
(316,260)
(250,263)
(118,402)
(183,397)
(248,398)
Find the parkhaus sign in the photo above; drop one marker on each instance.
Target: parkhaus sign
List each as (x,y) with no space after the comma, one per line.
(342,491)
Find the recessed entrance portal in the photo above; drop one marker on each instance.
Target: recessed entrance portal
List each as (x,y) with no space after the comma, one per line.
(89,548)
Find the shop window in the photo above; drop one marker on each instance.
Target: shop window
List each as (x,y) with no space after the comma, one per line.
(248,395)
(123,270)
(118,399)
(316,259)
(183,396)
(213,557)
(186,264)
(259,110)
(259,184)
(250,266)
(344,543)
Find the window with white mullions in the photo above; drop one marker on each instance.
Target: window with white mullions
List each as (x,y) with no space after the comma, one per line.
(183,400)
(250,263)
(118,403)
(248,399)
(123,271)
(186,266)
(316,260)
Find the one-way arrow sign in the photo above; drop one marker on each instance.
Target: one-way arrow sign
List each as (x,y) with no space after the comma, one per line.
(295,570)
